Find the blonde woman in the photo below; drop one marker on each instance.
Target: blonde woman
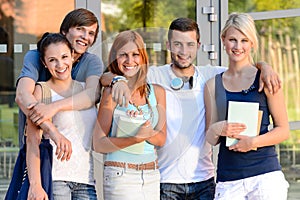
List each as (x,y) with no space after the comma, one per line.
(248,169)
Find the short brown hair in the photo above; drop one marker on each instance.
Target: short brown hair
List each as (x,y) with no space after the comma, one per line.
(79,17)
(184,25)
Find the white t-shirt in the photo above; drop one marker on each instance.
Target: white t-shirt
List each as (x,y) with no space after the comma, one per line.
(77,126)
(186,156)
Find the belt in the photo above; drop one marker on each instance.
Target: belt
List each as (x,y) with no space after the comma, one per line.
(145,166)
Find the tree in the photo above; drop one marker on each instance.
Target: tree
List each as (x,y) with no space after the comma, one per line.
(149,13)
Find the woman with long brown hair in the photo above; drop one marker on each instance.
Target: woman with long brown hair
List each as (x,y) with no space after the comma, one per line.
(129,135)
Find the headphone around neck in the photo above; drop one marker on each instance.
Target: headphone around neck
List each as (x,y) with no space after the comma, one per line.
(178,82)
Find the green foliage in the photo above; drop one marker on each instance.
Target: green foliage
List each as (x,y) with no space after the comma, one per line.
(8,124)
(261,5)
(240,6)
(265,5)
(148,13)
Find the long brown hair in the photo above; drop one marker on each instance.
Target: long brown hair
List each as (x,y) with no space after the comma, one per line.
(121,40)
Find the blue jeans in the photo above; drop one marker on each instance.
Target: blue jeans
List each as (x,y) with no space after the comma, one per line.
(66,190)
(204,190)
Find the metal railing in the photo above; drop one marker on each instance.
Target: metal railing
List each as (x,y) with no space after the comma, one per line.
(8,156)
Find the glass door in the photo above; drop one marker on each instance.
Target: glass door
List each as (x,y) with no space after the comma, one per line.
(150,18)
(22,22)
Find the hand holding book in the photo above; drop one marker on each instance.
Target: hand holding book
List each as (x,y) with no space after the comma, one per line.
(248,114)
(126,126)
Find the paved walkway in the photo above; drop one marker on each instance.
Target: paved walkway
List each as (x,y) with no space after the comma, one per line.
(294,190)
(292,174)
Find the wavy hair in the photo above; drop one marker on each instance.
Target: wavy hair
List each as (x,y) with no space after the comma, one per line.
(121,40)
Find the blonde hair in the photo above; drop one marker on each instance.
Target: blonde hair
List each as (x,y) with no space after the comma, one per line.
(245,24)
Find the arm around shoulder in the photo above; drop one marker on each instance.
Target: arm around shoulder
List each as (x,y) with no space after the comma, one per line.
(106,78)
(24,93)
(82,100)
(268,78)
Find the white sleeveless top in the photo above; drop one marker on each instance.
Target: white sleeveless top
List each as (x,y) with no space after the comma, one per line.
(77,126)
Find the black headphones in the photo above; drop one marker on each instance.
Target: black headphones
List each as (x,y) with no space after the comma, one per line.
(177,83)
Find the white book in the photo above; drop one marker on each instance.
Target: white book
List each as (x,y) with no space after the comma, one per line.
(246,113)
(126,126)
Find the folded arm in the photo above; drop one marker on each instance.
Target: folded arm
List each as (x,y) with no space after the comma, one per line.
(39,112)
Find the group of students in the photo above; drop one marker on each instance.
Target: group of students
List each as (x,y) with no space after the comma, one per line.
(186,117)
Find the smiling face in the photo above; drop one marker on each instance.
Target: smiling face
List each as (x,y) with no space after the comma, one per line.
(128,59)
(183,47)
(237,46)
(81,38)
(58,60)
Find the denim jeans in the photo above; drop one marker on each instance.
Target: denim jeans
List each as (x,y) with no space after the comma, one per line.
(66,190)
(203,190)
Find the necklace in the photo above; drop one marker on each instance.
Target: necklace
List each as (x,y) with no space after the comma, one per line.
(136,106)
(136,98)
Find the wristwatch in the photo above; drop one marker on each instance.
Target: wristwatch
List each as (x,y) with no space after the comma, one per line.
(117,79)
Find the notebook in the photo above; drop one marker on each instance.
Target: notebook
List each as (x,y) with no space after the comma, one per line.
(126,126)
(246,113)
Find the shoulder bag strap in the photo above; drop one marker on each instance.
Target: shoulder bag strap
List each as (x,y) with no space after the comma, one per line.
(46,93)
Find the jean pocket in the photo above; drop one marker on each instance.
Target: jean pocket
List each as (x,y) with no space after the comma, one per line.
(225,189)
(220,193)
(111,174)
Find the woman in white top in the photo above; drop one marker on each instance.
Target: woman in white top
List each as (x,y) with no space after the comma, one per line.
(72,175)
